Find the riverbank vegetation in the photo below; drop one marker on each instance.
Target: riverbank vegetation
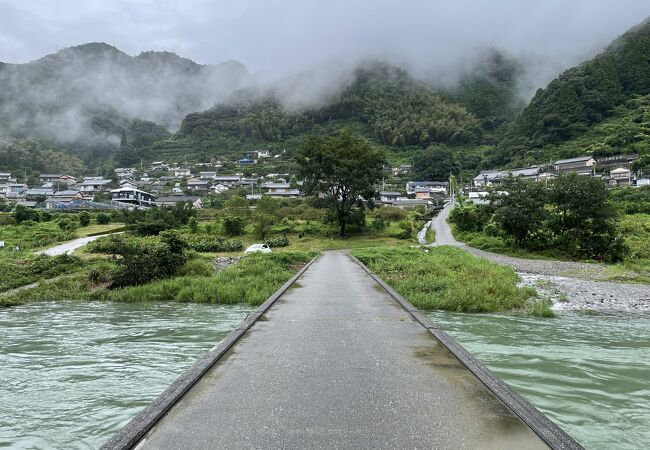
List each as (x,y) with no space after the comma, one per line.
(450,279)
(251,281)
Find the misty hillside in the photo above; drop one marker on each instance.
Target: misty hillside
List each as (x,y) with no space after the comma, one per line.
(73,95)
(599,106)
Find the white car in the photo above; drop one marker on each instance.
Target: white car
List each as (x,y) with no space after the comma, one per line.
(263,248)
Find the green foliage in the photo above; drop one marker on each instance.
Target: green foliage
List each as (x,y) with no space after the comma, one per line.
(342,167)
(262,224)
(446,278)
(84,219)
(405,230)
(233,226)
(214,244)
(67,223)
(280,241)
(631,200)
(19,270)
(140,260)
(468,217)
(435,163)
(23,213)
(521,211)
(38,235)
(103,219)
(193,224)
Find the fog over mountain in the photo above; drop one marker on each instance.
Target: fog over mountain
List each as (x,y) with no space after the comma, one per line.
(303,50)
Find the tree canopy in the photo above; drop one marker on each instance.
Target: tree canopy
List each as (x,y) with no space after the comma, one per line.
(342,167)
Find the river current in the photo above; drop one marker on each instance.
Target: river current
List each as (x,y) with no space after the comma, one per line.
(72,373)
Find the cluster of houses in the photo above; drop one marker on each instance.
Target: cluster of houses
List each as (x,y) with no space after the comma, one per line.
(130,189)
(613,170)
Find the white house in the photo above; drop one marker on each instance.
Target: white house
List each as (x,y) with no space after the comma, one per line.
(622,176)
(133,196)
(182,172)
(583,165)
(92,185)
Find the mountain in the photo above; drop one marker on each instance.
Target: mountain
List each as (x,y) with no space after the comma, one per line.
(598,106)
(74,94)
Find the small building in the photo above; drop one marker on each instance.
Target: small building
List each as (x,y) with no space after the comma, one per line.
(92,185)
(182,172)
(412,203)
(67,196)
(219,188)
(199,185)
(158,165)
(433,186)
(621,176)
(133,196)
(245,161)
(402,170)
(422,193)
(643,182)
(125,172)
(175,199)
(609,162)
(478,198)
(5,177)
(37,192)
(492,177)
(388,196)
(280,190)
(583,165)
(208,175)
(57,178)
(230,181)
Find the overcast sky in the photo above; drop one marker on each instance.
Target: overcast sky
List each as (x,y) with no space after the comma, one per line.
(281,36)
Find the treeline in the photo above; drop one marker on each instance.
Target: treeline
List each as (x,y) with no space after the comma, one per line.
(573,215)
(398,110)
(584,96)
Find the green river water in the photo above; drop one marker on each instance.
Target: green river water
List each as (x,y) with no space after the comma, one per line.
(71,374)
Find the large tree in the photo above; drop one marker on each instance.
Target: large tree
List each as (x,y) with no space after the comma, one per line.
(343,168)
(435,163)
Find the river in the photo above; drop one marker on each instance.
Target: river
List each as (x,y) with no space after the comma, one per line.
(589,373)
(73,373)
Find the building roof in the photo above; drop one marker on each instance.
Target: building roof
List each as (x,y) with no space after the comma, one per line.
(93,182)
(66,193)
(620,170)
(572,160)
(389,194)
(276,185)
(178,199)
(227,178)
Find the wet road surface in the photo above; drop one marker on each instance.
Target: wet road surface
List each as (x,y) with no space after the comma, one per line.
(337,363)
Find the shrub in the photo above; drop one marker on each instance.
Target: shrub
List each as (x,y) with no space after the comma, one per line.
(84,219)
(215,244)
(196,268)
(466,218)
(23,213)
(378,225)
(67,224)
(281,241)
(390,213)
(103,218)
(405,230)
(233,226)
(262,224)
(193,224)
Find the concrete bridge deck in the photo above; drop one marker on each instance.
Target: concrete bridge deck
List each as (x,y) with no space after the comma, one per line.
(337,362)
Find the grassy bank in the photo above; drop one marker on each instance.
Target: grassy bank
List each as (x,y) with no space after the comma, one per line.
(251,281)
(19,269)
(449,279)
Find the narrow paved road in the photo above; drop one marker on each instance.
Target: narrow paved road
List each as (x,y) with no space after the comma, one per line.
(337,363)
(67,248)
(575,281)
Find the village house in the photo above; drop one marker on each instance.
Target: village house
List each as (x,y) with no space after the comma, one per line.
(66,196)
(57,178)
(125,172)
(613,162)
(439,187)
(219,188)
(174,199)
(38,192)
(492,177)
(620,177)
(582,165)
(158,165)
(280,190)
(92,185)
(199,185)
(133,196)
(401,170)
(388,196)
(230,181)
(182,172)
(6,177)
(412,203)
(208,175)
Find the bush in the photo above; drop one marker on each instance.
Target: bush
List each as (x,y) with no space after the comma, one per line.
(23,213)
(215,244)
(405,230)
(84,219)
(378,225)
(262,224)
(281,241)
(233,226)
(193,224)
(197,268)
(390,213)
(103,218)
(67,224)
(467,218)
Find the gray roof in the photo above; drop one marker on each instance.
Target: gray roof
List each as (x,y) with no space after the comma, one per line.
(389,194)
(572,160)
(177,199)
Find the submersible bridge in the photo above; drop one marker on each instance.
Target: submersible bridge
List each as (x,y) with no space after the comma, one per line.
(337,359)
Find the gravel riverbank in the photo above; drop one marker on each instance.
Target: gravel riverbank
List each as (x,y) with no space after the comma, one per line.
(571,285)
